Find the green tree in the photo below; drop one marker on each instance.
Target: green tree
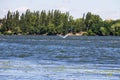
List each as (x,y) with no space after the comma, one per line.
(23,23)
(51,29)
(103,31)
(115,29)
(79,25)
(93,23)
(43,18)
(88,21)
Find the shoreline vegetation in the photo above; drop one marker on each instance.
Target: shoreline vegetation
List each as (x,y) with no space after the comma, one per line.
(55,22)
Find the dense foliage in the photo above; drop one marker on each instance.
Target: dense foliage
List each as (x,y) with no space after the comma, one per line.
(55,22)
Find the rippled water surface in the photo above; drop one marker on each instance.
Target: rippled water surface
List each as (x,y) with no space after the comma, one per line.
(55,58)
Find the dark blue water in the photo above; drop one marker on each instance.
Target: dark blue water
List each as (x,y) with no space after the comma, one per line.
(53,58)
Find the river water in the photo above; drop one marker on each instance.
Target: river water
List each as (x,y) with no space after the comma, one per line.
(56,58)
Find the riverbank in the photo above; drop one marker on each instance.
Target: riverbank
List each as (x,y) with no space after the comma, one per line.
(77,34)
(70,34)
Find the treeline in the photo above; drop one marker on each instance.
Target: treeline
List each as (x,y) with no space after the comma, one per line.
(55,22)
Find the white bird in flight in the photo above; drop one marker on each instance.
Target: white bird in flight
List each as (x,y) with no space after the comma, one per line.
(64,36)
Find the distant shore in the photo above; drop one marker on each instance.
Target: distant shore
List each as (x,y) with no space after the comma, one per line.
(54,22)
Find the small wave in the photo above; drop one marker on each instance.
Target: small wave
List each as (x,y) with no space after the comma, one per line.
(23,69)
